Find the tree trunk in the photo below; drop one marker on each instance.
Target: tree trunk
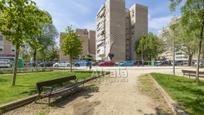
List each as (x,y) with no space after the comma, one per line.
(71,63)
(15,65)
(35,57)
(190,59)
(44,60)
(142,57)
(199,52)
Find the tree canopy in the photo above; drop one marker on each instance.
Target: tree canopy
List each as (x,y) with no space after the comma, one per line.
(20,20)
(149,46)
(178,36)
(71,44)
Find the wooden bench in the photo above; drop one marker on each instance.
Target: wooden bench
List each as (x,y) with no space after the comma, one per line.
(192,73)
(56,87)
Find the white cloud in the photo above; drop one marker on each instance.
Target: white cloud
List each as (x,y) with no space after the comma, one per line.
(158,23)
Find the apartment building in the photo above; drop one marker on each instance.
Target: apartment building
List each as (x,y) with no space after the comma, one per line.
(62,57)
(92,43)
(7,50)
(118,29)
(88,43)
(83,35)
(179,56)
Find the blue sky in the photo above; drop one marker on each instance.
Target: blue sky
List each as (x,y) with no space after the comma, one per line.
(82,13)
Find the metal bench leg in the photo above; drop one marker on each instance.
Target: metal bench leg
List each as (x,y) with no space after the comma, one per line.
(50,95)
(83,84)
(49,100)
(37,98)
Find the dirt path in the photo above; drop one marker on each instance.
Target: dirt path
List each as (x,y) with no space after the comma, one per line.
(115,95)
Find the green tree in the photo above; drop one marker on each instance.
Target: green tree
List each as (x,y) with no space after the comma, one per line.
(25,53)
(41,43)
(140,47)
(102,56)
(185,40)
(149,47)
(52,54)
(88,57)
(71,44)
(193,18)
(19,20)
(47,39)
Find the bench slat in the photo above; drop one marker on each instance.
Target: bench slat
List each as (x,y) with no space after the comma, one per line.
(60,90)
(58,81)
(192,73)
(53,90)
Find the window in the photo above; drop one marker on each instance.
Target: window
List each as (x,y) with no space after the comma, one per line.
(85,33)
(1,48)
(133,13)
(1,38)
(133,26)
(13,49)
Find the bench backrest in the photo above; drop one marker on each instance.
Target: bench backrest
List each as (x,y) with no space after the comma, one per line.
(188,71)
(58,81)
(191,71)
(201,72)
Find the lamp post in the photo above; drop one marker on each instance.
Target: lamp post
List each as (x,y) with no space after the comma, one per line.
(174,68)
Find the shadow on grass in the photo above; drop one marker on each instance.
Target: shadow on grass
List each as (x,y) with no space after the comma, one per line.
(3,80)
(193,100)
(196,104)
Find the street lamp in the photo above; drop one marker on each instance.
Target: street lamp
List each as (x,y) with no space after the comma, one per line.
(174,71)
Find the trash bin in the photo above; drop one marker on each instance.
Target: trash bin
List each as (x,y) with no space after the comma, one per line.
(20,63)
(152,62)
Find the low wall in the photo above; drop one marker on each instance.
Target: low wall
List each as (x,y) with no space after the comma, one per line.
(25,70)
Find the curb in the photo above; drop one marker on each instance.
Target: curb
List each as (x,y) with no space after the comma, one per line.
(16,104)
(171,103)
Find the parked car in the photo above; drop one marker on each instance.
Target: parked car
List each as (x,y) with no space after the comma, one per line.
(5,63)
(61,64)
(180,63)
(127,63)
(46,64)
(30,64)
(107,63)
(83,63)
(163,63)
(201,63)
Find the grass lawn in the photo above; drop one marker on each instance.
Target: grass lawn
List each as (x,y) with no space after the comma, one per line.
(184,91)
(26,83)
